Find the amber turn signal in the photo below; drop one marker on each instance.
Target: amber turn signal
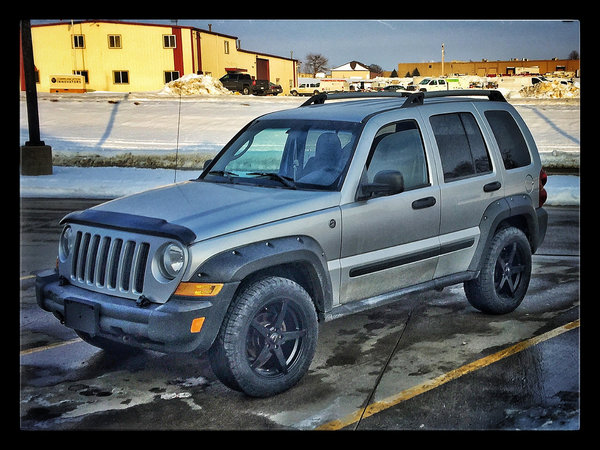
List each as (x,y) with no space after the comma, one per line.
(198,289)
(197,325)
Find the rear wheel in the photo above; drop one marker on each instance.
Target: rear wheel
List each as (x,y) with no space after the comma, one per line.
(505,274)
(268,338)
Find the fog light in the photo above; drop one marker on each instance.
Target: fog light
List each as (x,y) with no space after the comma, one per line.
(198,289)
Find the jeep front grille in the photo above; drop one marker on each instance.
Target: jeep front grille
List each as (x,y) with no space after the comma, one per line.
(115,264)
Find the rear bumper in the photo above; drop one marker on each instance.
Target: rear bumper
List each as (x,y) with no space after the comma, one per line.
(163,327)
(542,219)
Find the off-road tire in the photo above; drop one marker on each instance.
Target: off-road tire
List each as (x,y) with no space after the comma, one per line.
(505,273)
(268,338)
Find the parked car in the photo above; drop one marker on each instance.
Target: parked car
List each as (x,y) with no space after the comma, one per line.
(306,215)
(273,89)
(393,88)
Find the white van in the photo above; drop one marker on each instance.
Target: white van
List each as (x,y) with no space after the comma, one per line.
(307,88)
(432,84)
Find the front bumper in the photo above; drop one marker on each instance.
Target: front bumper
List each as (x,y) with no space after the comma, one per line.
(165,327)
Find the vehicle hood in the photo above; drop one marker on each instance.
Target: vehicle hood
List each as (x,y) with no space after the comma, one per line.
(213,209)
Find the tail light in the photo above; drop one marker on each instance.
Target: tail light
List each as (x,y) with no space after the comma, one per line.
(543,193)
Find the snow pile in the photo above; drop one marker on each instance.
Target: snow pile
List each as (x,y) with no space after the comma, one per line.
(195,85)
(551,89)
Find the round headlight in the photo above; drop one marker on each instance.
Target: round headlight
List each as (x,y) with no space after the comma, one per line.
(65,244)
(172,260)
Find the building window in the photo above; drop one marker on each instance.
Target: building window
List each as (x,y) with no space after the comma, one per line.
(169,41)
(82,72)
(171,76)
(226,47)
(78,41)
(121,76)
(114,41)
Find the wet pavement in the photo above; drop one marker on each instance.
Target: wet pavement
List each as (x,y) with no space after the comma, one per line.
(391,352)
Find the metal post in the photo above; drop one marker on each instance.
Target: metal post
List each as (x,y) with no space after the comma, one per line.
(36,157)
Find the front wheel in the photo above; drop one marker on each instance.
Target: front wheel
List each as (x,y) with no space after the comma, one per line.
(505,274)
(268,338)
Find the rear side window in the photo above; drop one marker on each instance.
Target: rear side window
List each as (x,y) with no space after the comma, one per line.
(462,149)
(510,139)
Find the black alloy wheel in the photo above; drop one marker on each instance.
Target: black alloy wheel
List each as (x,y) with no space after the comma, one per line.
(274,338)
(510,266)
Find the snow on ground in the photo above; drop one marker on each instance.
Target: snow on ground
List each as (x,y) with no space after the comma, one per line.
(147,129)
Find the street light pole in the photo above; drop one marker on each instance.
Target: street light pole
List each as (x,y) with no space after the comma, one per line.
(36,157)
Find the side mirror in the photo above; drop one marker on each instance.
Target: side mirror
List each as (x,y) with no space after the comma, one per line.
(206,163)
(386,182)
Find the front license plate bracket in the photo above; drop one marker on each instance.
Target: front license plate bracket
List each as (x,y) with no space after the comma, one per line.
(82,315)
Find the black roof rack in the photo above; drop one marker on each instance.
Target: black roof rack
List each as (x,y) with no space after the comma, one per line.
(412,98)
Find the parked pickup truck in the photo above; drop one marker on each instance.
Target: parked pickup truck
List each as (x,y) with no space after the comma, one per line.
(244,83)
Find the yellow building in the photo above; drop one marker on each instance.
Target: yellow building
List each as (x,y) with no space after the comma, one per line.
(486,68)
(136,57)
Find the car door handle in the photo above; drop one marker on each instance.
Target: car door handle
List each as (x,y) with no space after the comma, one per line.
(493,186)
(423,203)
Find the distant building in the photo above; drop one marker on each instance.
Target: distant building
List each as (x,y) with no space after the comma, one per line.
(352,70)
(489,68)
(135,57)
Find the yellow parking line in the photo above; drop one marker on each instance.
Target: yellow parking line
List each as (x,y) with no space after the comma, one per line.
(49,346)
(395,399)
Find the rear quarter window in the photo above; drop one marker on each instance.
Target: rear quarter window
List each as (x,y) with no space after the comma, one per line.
(511,142)
(462,149)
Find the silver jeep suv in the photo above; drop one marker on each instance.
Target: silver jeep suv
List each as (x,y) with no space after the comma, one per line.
(306,215)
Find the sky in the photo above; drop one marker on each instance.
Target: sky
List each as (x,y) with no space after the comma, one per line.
(389,42)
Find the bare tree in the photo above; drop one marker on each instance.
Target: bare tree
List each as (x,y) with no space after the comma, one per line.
(314,63)
(376,68)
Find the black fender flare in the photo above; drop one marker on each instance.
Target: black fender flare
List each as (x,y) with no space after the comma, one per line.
(515,206)
(236,264)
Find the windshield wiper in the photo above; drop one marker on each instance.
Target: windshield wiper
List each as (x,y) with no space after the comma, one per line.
(286,181)
(222,173)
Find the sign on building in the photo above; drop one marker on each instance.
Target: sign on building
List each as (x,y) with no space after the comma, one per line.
(67,83)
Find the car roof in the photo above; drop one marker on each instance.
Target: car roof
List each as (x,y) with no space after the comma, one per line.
(360,105)
(347,111)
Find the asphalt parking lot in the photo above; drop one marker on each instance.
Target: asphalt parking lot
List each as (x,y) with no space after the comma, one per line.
(427,362)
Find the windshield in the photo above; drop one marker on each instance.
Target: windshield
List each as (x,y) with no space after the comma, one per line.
(299,154)
(425,81)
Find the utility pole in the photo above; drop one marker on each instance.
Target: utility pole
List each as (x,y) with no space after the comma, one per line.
(443,59)
(36,157)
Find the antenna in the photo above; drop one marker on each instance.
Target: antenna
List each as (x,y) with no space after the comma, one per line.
(177,142)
